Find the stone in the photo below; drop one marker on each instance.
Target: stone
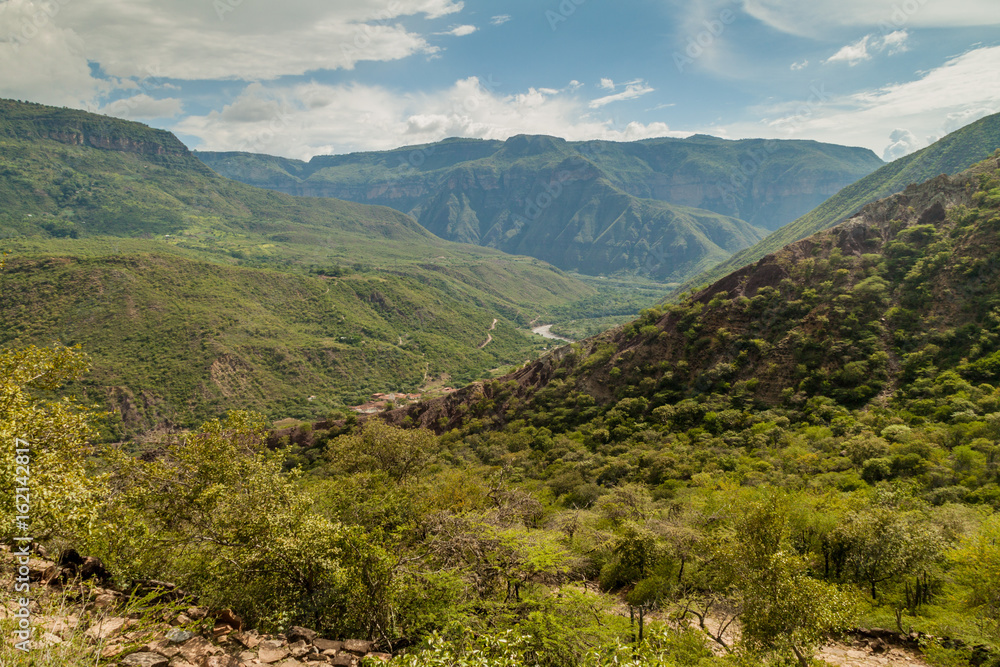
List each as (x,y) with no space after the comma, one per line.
(328,644)
(197,613)
(271,650)
(344,660)
(221,661)
(183,619)
(248,639)
(358,647)
(178,636)
(290,662)
(296,633)
(145,659)
(178,661)
(228,617)
(111,650)
(163,647)
(197,649)
(300,648)
(106,627)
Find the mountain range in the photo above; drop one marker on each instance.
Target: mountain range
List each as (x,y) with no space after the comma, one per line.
(951,154)
(193,293)
(662,208)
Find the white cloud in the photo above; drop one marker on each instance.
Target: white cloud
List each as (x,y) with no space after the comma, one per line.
(902,142)
(891,43)
(500,19)
(228,39)
(42,61)
(817,16)
(852,54)
(143,106)
(309,119)
(606,84)
(797,66)
(632,90)
(941,100)
(460,30)
(895,42)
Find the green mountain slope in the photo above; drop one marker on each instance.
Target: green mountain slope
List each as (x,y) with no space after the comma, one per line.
(663,208)
(195,293)
(950,155)
(867,311)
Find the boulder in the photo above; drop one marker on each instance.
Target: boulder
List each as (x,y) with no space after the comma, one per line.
(271,650)
(328,644)
(178,636)
(359,647)
(296,633)
(145,659)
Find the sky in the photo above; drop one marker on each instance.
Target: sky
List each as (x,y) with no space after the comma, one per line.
(300,78)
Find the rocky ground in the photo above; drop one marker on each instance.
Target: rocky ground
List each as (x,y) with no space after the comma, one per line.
(76,620)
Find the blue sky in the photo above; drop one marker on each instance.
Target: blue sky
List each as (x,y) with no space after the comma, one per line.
(306,77)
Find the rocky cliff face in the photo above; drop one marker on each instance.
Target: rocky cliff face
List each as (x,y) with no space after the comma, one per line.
(77,128)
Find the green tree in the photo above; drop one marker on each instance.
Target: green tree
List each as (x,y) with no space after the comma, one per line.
(399,453)
(55,432)
(783,608)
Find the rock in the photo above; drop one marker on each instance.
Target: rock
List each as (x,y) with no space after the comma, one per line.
(290,662)
(182,619)
(358,647)
(106,627)
(327,644)
(111,650)
(178,636)
(249,639)
(197,613)
(295,633)
(228,617)
(344,660)
(271,650)
(300,648)
(49,639)
(178,661)
(163,647)
(221,661)
(145,659)
(197,649)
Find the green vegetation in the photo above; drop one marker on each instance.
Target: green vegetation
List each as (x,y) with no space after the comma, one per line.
(662,208)
(807,447)
(194,294)
(954,153)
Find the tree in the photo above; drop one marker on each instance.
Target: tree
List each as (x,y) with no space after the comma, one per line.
(53,436)
(783,608)
(216,514)
(978,568)
(884,543)
(400,453)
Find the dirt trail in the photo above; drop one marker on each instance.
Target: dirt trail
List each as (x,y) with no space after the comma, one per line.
(489,336)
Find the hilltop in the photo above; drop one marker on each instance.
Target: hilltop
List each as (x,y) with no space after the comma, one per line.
(662,208)
(949,155)
(194,293)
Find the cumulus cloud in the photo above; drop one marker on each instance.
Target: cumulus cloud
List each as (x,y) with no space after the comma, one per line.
(460,30)
(941,100)
(902,142)
(229,39)
(309,119)
(606,84)
(41,60)
(143,106)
